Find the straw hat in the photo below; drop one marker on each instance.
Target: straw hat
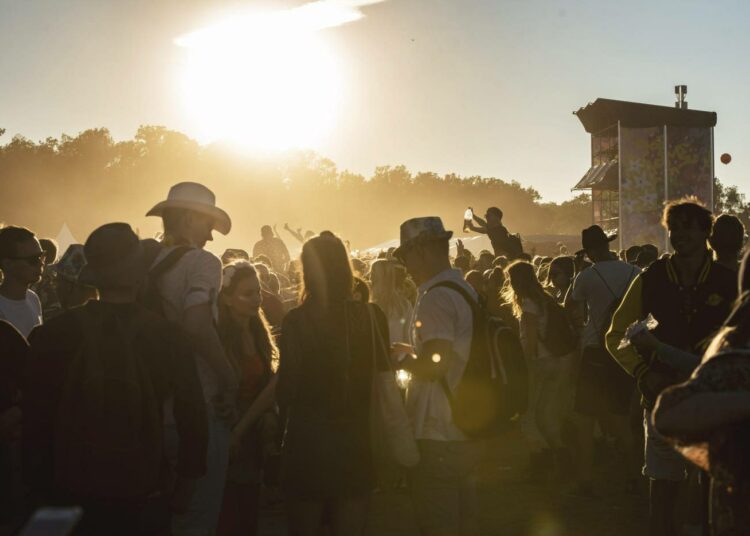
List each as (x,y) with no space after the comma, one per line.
(195,197)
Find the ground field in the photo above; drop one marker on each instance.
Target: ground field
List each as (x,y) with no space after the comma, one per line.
(510,506)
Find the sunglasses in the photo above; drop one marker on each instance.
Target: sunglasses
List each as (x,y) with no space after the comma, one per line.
(36,258)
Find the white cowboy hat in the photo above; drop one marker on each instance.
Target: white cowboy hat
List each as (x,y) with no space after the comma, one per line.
(196,197)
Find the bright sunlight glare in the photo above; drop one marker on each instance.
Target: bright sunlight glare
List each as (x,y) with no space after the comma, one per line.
(266,81)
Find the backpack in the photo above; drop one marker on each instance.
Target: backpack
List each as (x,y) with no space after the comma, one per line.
(493,391)
(108,435)
(559,337)
(513,246)
(609,311)
(149,295)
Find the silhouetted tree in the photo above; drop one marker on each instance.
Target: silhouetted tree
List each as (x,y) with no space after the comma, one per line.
(88,179)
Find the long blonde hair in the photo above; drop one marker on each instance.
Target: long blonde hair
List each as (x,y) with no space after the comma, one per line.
(385,289)
(523,284)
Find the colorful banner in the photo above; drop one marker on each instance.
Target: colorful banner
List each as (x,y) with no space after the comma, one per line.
(641,186)
(689,164)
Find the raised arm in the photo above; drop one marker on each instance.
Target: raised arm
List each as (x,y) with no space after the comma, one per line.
(296,234)
(477,229)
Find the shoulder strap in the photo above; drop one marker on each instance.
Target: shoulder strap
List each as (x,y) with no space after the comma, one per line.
(168,262)
(458,288)
(605,282)
(474,306)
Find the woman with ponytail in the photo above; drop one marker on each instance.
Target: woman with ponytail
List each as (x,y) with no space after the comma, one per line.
(708,417)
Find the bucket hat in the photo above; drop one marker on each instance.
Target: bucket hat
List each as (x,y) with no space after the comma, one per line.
(114,256)
(419,231)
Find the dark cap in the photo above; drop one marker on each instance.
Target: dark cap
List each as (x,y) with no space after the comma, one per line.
(496,211)
(114,256)
(594,237)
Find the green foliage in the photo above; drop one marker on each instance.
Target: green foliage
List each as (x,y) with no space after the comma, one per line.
(728,199)
(89,179)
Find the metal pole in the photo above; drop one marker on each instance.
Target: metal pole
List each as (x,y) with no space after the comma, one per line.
(713,172)
(620,213)
(666,184)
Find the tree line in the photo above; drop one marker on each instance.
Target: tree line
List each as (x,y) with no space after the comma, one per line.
(89,179)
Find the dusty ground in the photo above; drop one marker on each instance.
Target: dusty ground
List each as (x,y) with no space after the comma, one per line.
(510,506)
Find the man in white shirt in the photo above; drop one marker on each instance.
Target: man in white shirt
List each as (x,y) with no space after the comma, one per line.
(604,390)
(22,263)
(189,291)
(442,490)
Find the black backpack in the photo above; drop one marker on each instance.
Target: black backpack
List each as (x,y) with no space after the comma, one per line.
(493,391)
(559,337)
(149,295)
(513,246)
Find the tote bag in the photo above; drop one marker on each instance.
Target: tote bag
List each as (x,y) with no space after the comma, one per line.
(390,426)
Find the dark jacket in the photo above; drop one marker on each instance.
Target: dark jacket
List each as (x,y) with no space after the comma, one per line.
(324,388)
(165,355)
(688,317)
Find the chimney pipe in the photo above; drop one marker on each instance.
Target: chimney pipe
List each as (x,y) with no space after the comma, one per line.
(680,102)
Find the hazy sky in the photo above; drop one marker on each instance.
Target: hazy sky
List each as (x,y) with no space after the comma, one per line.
(465,86)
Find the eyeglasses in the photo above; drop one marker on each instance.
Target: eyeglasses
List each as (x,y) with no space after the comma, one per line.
(36,258)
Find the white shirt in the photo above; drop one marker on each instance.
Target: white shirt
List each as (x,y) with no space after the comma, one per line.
(590,287)
(24,314)
(530,306)
(441,313)
(194,280)
(399,325)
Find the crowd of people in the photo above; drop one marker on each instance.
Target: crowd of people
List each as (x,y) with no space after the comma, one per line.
(164,390)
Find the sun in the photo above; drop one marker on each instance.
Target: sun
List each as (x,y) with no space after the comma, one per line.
(263,82)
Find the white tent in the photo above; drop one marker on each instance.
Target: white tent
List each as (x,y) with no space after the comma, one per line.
(474,243)
(64,239)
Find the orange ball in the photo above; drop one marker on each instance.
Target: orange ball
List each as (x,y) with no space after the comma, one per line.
(726,158)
